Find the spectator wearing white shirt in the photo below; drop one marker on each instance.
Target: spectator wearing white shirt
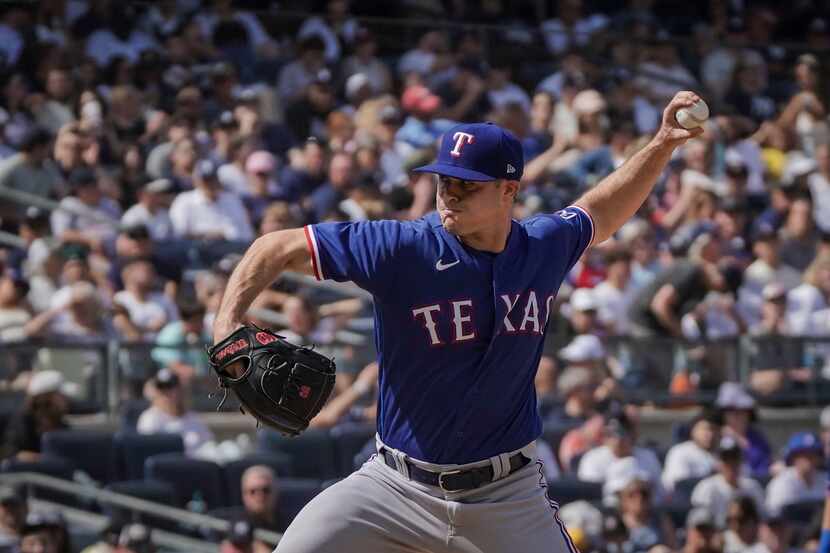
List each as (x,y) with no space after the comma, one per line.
(766,269)
(615,294)
(809,297)
(365,61)
(146,311)
(86,217)
(717,491)
(167,413)
(570,29)
(663,75)
(152,210)
(420,59)
(694,458)
(121,38)
(620,436)
(819,183)
(501,91)
(298,75)
(801,480)
(208,212)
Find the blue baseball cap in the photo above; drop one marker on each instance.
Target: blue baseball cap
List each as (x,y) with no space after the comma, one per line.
(478,152)
(802,442)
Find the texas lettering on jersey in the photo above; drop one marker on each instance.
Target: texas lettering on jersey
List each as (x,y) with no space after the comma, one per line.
(460,313)
(459,333)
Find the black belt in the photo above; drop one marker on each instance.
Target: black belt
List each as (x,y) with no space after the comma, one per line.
(454,480)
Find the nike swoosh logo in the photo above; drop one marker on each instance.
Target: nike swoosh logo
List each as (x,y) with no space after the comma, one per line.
(442,267)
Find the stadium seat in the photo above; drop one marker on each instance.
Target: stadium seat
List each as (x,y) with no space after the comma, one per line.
(568,489)
(280,463)
(295,493)
(190,478)
(801,513)
(156,491)
(312,452)
(683,488)
(57,467)
(92,452)
(349,440)
(134,449)
(130,411)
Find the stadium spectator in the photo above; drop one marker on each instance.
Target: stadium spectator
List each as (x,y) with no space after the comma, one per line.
(260,499)
(803,479)
(717,491)
(207,212)
(630,489)
(571,29)
(364,61)
(694,458)
(86,216)
(77,317)
(37,536)
(14,309)
(168,414)
(307,115)
(615,294)
(12,518)
(178,344)
(30,170)
(239,538)
(583,312)
(145,310)
(737,409)
(703,533)
(778,535)
(619,438)
(44,410)
(810,297)
(135,538)
(350,405)
(799,237)
(152,210)
(743,522)
(575,387)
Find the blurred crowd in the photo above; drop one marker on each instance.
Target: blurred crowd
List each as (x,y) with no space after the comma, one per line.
(144,146)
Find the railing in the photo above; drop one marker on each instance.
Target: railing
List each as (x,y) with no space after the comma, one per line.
(104,371)
(32,483)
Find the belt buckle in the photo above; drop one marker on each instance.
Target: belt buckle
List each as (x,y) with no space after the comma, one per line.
(441,476)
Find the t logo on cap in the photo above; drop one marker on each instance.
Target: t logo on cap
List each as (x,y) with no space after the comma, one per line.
(461,138)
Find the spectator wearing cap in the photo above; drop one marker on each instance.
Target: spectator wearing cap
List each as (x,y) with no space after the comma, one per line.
(737,409)
(364,61)
(30,170)
(422,126)
(582,313)
(307,115)
(715,492)
(619,441)
(337,29)
(694,458)
(748,93)
(463,97)
(615,294)
(703,532)
(44,410)
(743,524)
(575,388)
(239,538)
(12,518)
(168,414)
(135,242)
(802,480)
(262,187)
(598,162)
(152,210)
(629,489)
(14,309)
(501,91)
(141,310)
(179,344)
(207,212)
(86,217)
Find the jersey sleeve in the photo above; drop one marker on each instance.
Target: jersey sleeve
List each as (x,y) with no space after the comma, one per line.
(362,252)
(568,231)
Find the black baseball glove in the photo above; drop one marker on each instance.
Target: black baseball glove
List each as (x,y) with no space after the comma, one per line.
(282,385)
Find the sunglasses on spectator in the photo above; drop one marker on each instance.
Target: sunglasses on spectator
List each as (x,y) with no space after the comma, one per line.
(266,490)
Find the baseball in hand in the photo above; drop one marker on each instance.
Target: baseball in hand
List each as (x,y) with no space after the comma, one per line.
(693,117)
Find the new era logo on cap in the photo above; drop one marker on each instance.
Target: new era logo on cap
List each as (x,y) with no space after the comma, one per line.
(478,152)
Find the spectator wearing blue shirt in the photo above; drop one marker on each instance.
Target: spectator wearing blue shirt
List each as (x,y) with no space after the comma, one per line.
(421,128)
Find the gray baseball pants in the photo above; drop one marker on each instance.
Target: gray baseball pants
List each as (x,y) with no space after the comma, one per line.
(379,510)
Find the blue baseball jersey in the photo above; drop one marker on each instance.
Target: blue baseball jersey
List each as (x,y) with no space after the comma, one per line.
(459,332)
